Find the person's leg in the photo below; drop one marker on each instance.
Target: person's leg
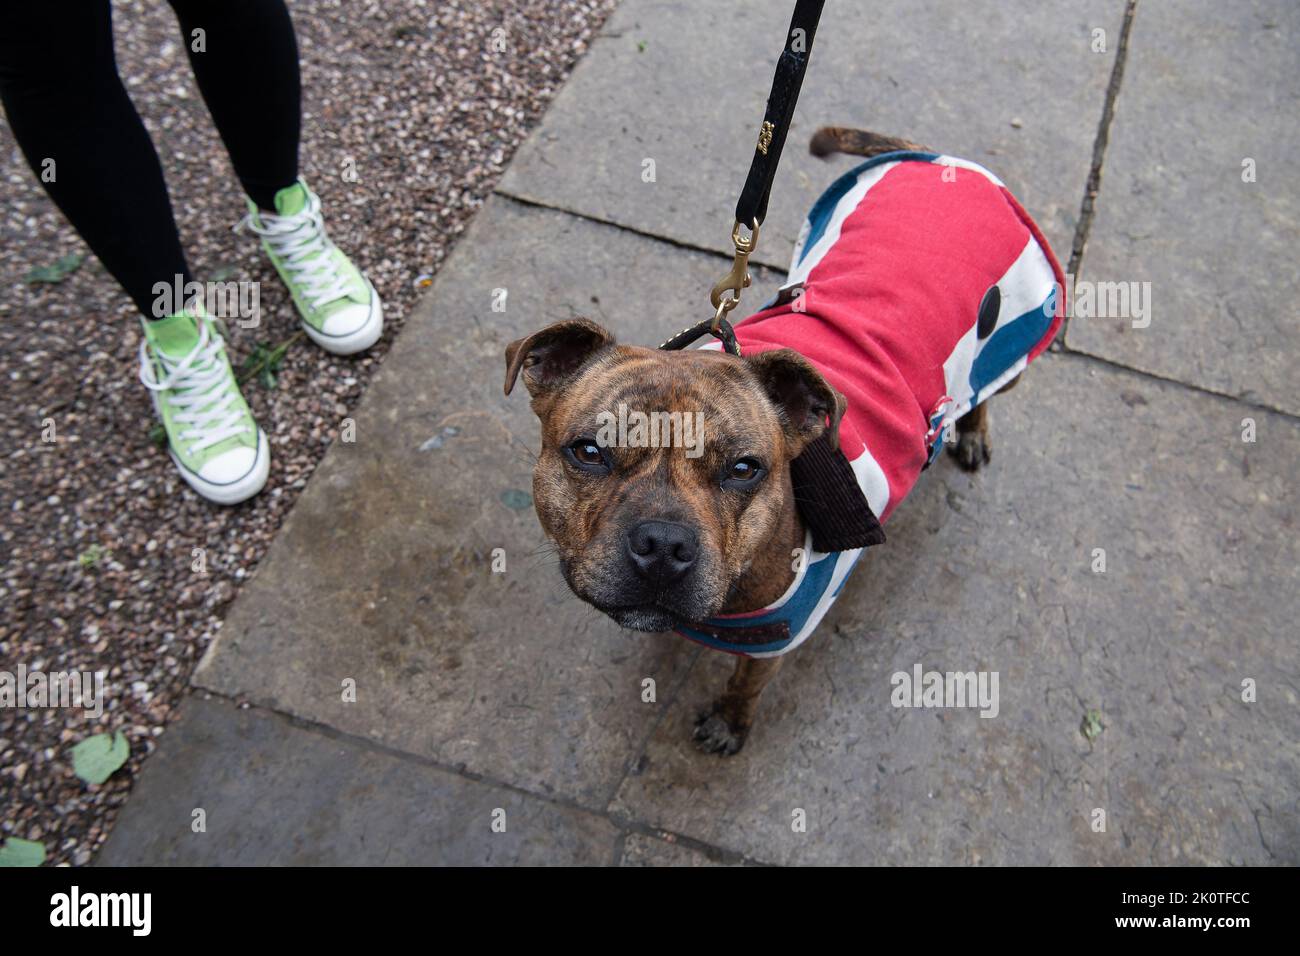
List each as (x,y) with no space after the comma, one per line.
(245,60)
(84,140)
(75,124)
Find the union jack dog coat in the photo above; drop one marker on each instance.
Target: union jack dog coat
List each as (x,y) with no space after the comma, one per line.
(919,287)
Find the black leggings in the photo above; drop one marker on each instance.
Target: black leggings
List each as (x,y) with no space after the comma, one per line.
(66,103)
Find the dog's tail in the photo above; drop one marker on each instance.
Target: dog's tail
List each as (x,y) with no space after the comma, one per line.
(856,142)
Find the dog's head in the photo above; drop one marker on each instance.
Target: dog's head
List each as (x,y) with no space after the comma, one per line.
(662,474)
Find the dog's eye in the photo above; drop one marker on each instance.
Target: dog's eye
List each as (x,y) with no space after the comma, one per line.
(587,452)
(743,473)
(587,455)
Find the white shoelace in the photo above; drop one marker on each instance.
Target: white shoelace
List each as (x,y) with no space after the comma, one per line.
(301,242)
(200,387)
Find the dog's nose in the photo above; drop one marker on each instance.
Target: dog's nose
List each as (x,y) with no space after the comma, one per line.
(662,551)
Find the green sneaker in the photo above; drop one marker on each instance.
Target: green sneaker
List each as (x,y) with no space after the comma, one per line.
(340,309)
(211,435)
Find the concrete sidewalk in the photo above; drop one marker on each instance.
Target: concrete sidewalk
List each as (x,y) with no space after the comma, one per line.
(482,697)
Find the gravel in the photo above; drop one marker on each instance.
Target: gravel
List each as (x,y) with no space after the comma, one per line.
(100,567)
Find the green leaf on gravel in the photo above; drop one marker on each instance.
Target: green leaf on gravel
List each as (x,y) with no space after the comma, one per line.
(516,500)
(264,362)
(1091,726)
(16,852)
(91,556)
(97,758)
(60,270)
(158,435)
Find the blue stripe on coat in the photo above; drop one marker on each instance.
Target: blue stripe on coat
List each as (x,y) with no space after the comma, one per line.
(819,217)
(1011,343)
(794,612)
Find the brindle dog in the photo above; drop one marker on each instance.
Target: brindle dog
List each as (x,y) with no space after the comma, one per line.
(654,538)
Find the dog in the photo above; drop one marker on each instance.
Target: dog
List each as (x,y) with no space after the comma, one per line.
(919,288)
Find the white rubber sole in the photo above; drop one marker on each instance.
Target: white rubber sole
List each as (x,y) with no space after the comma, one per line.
(228,493)
(233,492)
(357,341)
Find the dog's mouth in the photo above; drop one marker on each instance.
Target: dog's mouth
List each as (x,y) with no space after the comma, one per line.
(645,617)
(667,610)
(637,608)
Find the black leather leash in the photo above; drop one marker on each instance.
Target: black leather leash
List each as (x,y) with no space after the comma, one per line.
(751,208)
(831,503)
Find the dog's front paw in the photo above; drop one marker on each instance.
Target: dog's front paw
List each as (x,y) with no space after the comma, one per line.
(971,451)
(713,735)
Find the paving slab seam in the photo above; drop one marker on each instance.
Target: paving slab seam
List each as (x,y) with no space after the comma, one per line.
(722,255)
(626,825)
(1087,209)
(620,849)
(1059,348)
(715,853)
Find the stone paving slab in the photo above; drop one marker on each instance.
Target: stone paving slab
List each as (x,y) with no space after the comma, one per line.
(383,572)
(510,676)
(1207,86)
(995,573)
(684,84)
(641,850)
(382,577)
(278,794)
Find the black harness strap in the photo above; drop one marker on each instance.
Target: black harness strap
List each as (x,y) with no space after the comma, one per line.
(686,336)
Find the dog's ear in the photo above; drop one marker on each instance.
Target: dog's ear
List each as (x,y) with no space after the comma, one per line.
(550,356)
(808,405)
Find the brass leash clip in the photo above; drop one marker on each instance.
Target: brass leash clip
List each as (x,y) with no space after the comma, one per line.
(737,277)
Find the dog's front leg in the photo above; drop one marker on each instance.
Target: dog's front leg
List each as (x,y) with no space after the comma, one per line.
(722,728)
(973,447)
